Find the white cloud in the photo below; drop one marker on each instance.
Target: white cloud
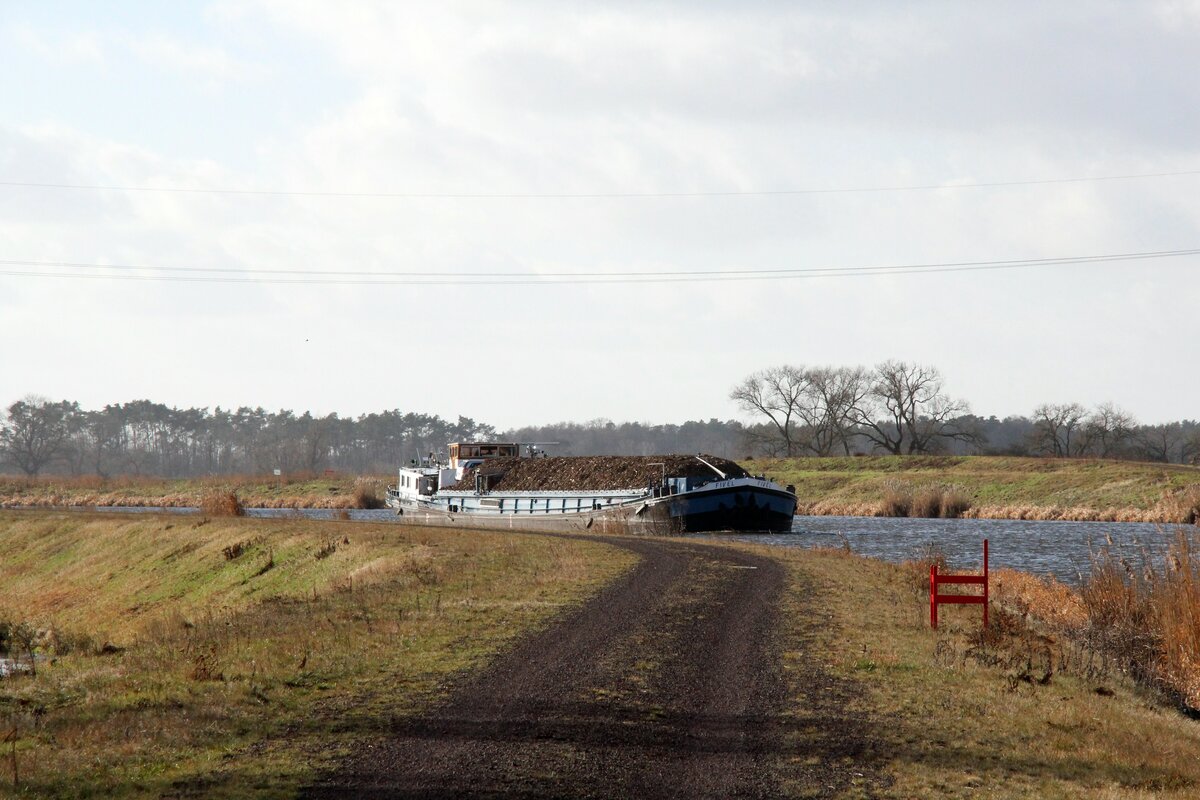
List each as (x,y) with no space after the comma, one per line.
(72,47)
(490,98)
(211,63)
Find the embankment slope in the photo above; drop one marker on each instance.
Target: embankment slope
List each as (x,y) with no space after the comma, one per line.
(996,487)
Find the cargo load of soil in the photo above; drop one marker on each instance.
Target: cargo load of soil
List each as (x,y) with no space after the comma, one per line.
(591,473)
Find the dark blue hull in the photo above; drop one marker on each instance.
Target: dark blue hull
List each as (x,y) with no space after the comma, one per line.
(734,509)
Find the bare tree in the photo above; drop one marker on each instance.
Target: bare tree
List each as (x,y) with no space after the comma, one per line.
(37,432)
(838,391)
(1165,443)
(1108,431)
(778,393)
(1190,448)
(906,410)
(1056,429)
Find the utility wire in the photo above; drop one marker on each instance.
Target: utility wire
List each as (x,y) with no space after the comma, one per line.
(585,195)
(430,278)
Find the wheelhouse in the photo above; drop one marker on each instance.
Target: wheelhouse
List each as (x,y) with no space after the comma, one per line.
(464,455)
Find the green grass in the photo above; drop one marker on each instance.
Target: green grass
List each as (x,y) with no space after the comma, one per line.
(232,679)
(995,486)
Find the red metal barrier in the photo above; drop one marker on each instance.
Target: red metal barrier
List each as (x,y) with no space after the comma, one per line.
(958,599)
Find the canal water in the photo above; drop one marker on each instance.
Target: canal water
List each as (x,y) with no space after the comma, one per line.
(1062,549)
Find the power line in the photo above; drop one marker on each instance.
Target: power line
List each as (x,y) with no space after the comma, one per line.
(587,195)
(432,278)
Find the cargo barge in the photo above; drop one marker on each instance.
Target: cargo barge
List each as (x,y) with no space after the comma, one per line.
(514,486)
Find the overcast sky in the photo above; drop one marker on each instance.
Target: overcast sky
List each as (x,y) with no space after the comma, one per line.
(621,102)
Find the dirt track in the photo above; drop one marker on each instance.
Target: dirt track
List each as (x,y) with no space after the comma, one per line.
(667,684)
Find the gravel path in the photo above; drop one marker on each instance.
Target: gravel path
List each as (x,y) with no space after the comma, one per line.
(669,683)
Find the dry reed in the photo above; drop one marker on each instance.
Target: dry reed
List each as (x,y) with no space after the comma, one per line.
(930,502)
(366,495)
(1146,614)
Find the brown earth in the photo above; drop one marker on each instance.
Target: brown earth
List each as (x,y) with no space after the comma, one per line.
(670,683)
(567,473)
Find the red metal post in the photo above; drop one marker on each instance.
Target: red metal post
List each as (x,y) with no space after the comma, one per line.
(985,583)
(933,595)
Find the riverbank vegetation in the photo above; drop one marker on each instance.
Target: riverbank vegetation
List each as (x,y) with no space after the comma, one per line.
(1138,608)
(169,648)
(990,487)
(1019,710)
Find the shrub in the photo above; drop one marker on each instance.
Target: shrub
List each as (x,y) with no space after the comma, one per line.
(222,504)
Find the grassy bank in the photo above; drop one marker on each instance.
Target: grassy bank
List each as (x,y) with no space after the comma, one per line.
(300,490)
(1016,713)
(991,487)
(176,646)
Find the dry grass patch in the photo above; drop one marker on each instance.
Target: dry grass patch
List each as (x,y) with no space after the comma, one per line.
(1016,712)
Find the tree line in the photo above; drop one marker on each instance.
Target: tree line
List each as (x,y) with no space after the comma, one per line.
(901,407)
(894,407)
(146,438)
